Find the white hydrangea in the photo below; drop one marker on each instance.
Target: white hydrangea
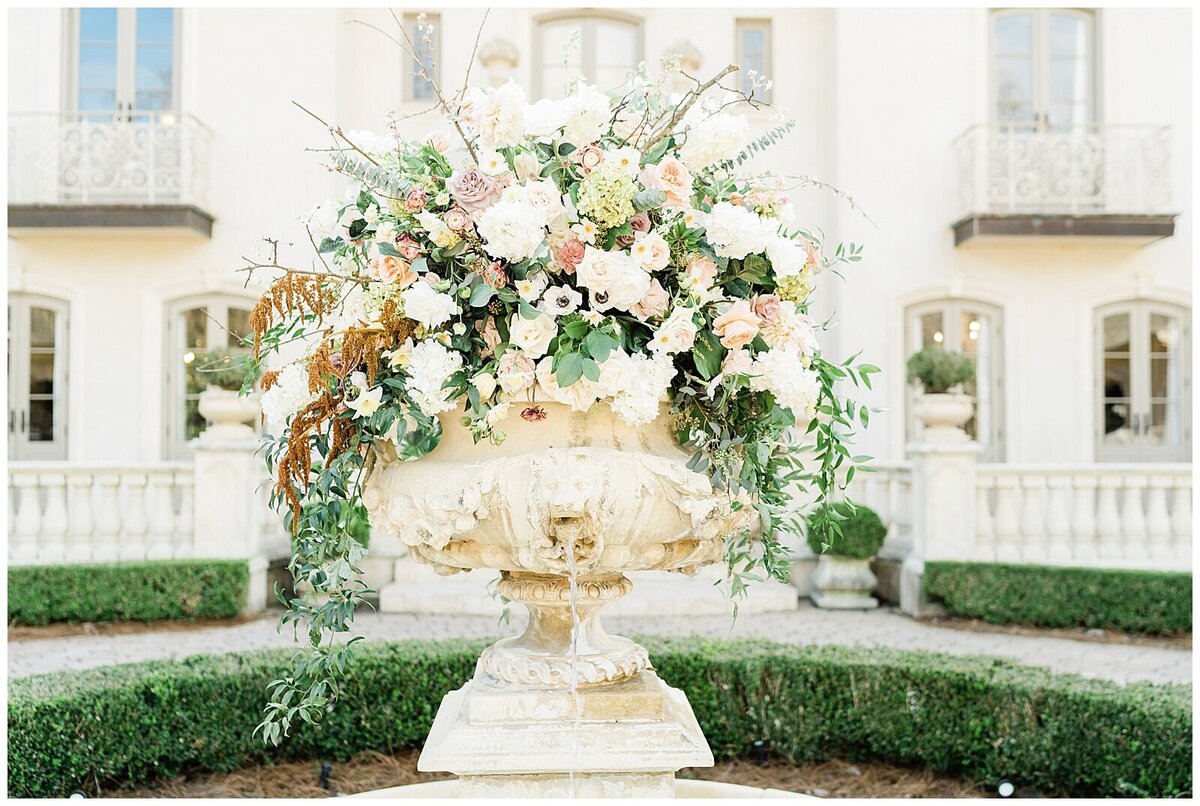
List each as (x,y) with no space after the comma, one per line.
(783,374)
(288,396)
(427,305)
(792,331)
(712,138)
(787,256)
(430,365)
(513,229)
(544,119)
(735,231)
(643,386)
(588,115)
(497,114)
(371,142)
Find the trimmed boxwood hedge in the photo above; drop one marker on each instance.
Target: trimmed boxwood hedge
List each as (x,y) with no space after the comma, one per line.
(984,719)
(1130,601)
(142,591)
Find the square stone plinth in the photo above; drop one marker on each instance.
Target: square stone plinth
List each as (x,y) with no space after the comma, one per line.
(507,742)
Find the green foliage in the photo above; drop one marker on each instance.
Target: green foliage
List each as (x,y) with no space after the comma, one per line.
(938,370)
(226,370)
(860,535)
(980,718)
(1131,601)
(144,591)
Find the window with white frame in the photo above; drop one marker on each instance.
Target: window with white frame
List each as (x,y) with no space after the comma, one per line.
(1143,382)
(124,61)
(196,326)
(1043,67)
(972,328)
(754,56)
(424,31)
(599,48)
(37,377)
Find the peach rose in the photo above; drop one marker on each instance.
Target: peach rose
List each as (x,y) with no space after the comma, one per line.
(701,271)
(589,157)
(672,178)
(490,335)
(653,303)
(737,362)
(738,326)
(415,200)
(494,274)
(766,307)
(390,269)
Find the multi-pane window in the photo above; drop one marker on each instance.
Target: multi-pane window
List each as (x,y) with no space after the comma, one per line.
(1043,67)
(754,55)
(198,327)
(37,375)
(1143,382)
(601,50)
(424,31)
(974,329)
(125,60)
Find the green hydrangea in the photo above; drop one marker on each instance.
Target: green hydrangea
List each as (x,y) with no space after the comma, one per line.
(606,195)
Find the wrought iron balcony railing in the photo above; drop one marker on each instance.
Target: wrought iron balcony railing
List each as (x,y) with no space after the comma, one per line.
(106,158)
(1092,169)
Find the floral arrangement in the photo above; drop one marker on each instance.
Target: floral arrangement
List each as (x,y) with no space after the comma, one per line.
(599,250)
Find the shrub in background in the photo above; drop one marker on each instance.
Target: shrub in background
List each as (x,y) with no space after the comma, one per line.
(939,370)
(143,591)
(861,531)
(1131,601)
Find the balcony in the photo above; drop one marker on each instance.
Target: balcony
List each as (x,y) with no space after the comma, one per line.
(145,171)
(1088,181)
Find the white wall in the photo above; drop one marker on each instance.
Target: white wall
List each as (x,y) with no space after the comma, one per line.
(879,96)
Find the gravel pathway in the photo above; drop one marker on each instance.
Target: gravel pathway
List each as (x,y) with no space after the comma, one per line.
(808,625)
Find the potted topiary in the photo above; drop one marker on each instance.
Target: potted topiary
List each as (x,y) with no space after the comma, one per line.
(845,537)
(937,372)
(223,403)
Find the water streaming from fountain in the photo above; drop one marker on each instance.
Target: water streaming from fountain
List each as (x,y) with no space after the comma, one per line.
(573,579)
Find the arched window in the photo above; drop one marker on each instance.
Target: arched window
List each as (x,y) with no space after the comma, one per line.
(601,48)
(37,377)
(973,328)
(1143,382)
(1043,67)
(195,326)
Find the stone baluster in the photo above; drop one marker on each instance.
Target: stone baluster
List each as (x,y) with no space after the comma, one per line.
(1083,519)
(106,548)
(1181,519)
(1007,522)
(12,514)
(1058,519)
(133,535)
(1033,518)
(80,515)
(985,530)
(54,518)
(1158,521)
(161,517)
(1133,518)
(1108,518)
(185,519)
(27,524)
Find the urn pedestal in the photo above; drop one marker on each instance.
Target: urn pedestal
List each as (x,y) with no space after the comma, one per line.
(564,508)
(843,583)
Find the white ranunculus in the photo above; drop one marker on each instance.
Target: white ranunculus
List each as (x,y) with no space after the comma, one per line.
(533,336)
(427,305)
(513,230)
(735,231)
(675,335)
(792,331)
(288,396)
(787,257)
(439,233)
(497,114)
(614,279)
(429,367)
(712,138)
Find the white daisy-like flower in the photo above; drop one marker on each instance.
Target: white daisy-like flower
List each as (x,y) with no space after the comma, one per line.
(532,286)
(585,231)
(492,163)
(560,300)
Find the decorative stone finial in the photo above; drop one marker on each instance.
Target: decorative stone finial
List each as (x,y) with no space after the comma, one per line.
(499,57)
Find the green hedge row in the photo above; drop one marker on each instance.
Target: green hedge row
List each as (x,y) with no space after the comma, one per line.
(1130,601)
(984,719)
(144,591)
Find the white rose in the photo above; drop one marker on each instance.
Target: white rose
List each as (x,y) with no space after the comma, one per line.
(428,306)
(614,279)
(735,231)
(787,257)
(485,382)
(533,336)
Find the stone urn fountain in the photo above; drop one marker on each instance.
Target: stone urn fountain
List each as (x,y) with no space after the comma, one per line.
(563,509)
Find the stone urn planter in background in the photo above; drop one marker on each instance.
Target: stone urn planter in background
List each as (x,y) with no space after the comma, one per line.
(229,416)
(843,579)
(935,372)
(580,495)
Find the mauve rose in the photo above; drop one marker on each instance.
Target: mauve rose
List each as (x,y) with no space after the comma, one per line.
(570,255)
(494,274)
(766,307)
(415,200)
(640,223)
(408,247)
(473,189)
(456,218)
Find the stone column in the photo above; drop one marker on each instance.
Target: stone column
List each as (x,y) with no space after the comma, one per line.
(943,513)
(226,522)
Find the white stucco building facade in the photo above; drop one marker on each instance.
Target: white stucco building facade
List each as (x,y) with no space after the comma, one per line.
(1026,174)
